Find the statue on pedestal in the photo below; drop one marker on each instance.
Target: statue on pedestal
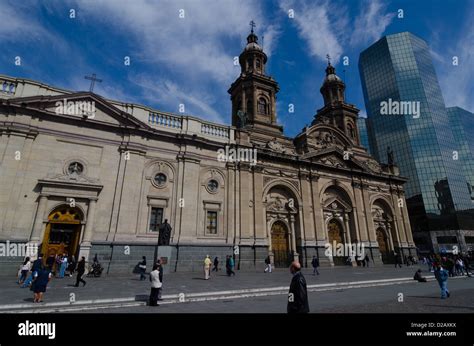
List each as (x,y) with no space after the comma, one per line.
(165,233)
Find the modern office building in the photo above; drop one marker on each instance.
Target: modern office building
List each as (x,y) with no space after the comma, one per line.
(364,136)
(462,125)
(409,124)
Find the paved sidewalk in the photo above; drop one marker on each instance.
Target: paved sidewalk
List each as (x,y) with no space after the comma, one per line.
(59,290)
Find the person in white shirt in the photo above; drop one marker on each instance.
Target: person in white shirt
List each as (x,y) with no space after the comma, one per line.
(207,267)
(24,269)
(155,285)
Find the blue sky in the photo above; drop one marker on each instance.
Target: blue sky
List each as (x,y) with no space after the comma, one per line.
(190,60)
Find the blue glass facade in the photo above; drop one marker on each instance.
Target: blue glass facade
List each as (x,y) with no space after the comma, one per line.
(363,134)
(462,125)
(398,69)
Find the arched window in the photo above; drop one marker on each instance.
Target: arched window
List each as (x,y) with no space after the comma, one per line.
(262,106)
(258,63)
(350,130)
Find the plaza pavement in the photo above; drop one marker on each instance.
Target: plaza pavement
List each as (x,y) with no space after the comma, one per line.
(129,291)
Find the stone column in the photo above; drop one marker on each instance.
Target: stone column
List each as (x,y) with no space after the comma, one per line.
(86,245)
(293,238)
(259,215)
(230,203)
(318,215)
(348,233)
(389,237)
(40,215)
(86,239)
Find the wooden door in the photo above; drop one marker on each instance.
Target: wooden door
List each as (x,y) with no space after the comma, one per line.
(280,246)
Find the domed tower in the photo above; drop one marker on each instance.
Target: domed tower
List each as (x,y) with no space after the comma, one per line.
(336,111)
(253,94)
(333,87)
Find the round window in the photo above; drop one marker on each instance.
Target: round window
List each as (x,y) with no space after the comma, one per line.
(160,179)
(213,185)
(75,168)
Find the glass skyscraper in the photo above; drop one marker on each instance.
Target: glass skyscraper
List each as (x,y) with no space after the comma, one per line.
(462,125)
(406,113)
(363,134)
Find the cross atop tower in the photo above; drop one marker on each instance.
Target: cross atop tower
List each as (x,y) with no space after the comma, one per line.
(329,59)
(252,25)
(93,79)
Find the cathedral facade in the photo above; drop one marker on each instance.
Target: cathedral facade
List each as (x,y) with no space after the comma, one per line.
(90,176)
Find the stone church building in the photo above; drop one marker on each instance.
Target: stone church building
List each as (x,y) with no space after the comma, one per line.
(86,175)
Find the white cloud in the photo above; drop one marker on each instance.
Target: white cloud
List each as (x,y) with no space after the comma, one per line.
(370,23)
(195,54)
(195,45)
(456,81)
(316,26)
(327,28)
(16,25)
(167,92)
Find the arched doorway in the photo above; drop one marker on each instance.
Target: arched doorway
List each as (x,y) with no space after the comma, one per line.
(62,232)
(280,244)
(335,234)
(383,244)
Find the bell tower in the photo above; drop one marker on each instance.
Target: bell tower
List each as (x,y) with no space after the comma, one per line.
(336,111)
(253,94)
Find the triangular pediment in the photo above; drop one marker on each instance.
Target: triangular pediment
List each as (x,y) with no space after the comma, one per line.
(335,203)
(84,105)
(335,157)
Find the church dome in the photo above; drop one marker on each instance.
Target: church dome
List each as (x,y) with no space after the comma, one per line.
(252,42)
(332,78)
(253,46)
(331,75)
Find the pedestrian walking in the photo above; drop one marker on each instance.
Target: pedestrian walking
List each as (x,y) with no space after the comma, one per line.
(398,260)
(467,265)
(441,276)
(268,265)
(24,270)
(63,266)
(81,269)
(227,265)
(72,265)
(160,269)
(156,285)
(459,266)
(298,294)
(216,264)
(231,265)
(41,278)
(142,268)
(37,264)
(207,267)
(366,260)
(315,264)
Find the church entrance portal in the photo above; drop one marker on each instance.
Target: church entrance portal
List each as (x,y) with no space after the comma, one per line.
(280,244)
(62,232)
(335,234)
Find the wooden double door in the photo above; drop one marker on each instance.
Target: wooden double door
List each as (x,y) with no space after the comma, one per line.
(280,245)
(62,233)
